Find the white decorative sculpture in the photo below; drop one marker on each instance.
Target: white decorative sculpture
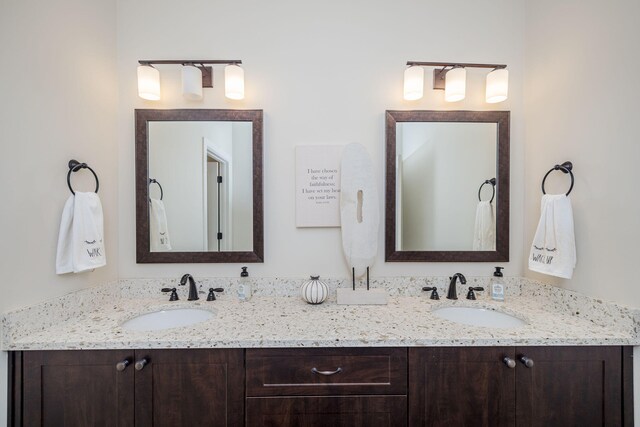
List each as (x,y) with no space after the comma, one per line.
(359,209)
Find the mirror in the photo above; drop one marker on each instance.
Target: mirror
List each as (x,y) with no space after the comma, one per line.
(199,185)
(447,186)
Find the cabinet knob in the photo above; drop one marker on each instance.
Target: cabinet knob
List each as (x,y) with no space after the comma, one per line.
(509,362)
(140,364)
(527,361)
(121,366)
(326,373)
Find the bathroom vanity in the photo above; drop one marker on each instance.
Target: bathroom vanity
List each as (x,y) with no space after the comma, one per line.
(277,361)
(440,386)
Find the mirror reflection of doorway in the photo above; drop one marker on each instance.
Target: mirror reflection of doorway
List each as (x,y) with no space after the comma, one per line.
(217,198)
(213,204)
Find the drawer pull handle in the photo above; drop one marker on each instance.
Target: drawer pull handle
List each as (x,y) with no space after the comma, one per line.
(527,361)
(121,366)
(140,364)
(509,362)
(326,373)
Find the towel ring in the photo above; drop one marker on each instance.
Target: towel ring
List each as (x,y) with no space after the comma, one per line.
(75,166)
(566,167)
(491,181)
(153,181)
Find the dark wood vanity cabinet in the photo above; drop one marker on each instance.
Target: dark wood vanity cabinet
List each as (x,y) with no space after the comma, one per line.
(562,386)
(155,388)
(190,388)
(364,387)
(428,386)
(76,388)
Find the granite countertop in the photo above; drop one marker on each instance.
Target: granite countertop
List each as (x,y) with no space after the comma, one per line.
(287,321)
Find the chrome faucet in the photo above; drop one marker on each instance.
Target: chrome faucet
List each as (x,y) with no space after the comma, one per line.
(451,293)
(193,291)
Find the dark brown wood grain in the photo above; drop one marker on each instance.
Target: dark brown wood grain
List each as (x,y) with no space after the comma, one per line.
(287,372)
(143,252)
(77,388)
(345,411)
(627,386)
(461,386)
(190,388)
(14,392)
(570,386)
(502,118)
(448,386)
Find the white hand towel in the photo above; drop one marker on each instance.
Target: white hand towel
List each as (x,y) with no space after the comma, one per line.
(64,256)
(81,238)
(553,251)
(158,232)
(484,235)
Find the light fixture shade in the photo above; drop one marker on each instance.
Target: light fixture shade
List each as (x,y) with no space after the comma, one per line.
(497,85)
(413,83)
(148,83)
(192,83)
(455,84)
(233,82)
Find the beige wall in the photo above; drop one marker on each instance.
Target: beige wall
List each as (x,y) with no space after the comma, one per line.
(324,73)
(581,96)
(59,90)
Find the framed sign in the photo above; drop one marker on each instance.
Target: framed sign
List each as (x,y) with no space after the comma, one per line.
(318,185)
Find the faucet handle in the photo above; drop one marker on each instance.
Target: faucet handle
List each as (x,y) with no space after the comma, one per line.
(471,294)
(174,294)
(212,295)
(434,292)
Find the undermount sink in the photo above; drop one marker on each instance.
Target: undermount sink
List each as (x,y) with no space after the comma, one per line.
(479,317)
(166,319)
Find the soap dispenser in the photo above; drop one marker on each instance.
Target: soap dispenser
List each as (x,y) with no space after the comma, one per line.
(244,287)
(497,285)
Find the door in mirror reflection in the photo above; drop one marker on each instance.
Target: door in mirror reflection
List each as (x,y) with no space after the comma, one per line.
(440,169)
(203,200)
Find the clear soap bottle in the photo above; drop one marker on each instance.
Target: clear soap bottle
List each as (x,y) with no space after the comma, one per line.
(244,287)
(497,285)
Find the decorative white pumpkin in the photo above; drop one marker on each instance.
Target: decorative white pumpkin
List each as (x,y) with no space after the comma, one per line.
(314,291)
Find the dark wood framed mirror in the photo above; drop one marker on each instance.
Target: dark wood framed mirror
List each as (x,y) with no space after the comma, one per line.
(447,186)
(199,186)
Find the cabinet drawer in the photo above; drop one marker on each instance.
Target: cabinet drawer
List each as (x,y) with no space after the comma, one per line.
(322,411)
(298,372)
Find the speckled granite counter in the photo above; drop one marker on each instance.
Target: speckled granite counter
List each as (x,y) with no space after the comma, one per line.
(277,317)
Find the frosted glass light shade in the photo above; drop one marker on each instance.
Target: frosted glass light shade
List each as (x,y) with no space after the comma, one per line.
(455,84)
(413,83)
(233,82)
(191,83)
(497,85)
(148,83)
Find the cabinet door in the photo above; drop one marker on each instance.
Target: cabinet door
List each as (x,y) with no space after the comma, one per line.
(322,411)
(461,386)
(569,386)
(77,388)
(190,388)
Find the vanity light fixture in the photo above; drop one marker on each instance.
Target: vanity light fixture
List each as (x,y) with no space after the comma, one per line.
(148,82)
(451,77)
(413,83)
(497,85)
(455,84)
(233,82)
(192,82)
(196,74)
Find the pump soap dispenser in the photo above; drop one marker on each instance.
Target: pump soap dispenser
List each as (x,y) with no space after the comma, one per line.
(497,285)
(244,287)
